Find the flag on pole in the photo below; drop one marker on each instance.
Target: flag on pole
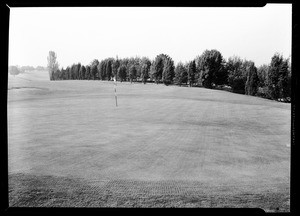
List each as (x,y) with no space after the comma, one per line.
(115,86)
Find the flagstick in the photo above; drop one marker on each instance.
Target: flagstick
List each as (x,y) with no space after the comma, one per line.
(115,91)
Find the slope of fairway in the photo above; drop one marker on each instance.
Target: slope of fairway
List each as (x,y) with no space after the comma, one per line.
(160,140)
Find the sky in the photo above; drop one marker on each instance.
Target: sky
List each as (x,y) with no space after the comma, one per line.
(83,34)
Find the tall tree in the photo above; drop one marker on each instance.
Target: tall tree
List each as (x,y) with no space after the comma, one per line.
(94,69)
(99,71)
(132,73)
(138,64)
(115,67)
(221,75)
(236,74)
(82,72)
(88,72)
(145,73)
(289,79)
(73,69)
(210,66)
(283,79)
(278,77)
(77,69)
(191,72)
(252,81)
(61,74)
(152,72)
(94,72)
(145,69)
(122,73)
(168,71)
(102,70)
(52,64)
(262,73)
(181,74)
(108,69)
(95,62)
(67,73)
(158,68)
(56,74)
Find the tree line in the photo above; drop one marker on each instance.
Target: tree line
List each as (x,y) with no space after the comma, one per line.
(209,70)
(15,69)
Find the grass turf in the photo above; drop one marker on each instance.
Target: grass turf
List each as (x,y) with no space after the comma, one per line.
(162,146)
(48,191)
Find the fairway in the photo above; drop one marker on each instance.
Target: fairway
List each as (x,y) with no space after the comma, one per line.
(162,146)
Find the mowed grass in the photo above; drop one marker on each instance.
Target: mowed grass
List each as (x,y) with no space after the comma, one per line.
(163,146)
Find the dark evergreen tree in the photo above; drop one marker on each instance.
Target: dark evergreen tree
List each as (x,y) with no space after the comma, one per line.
(108,70)
(99,75)
(122,73)
(94,69)
(144,73)
(221,75)
(152,72)
(102,70)
(95,62)
(57,74)
(262,73)
(78,66)
(181,74)
(168,71)
(132,73)
(283,79)
(82,72)
(191,72)
(145,69)
(289,88)
(61,74)
(236,74)
(252,81)
(88,72)
(72,71)
(278,77)
(94,72)
(68,73)
(158,68)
